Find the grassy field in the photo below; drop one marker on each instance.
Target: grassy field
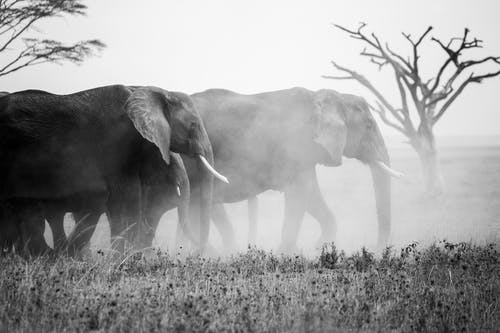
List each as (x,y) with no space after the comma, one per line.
(422,283)
(442,288)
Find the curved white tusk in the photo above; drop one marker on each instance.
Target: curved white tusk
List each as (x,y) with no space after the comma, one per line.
(212,170)
(178,190)
(389,171)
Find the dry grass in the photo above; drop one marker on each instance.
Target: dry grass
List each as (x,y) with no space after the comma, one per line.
(445,287)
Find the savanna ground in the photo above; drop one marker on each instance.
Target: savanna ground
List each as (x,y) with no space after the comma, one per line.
(421,284)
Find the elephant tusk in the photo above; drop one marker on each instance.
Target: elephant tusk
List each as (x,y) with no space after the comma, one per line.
(212,170)
(389,171)
(178,189)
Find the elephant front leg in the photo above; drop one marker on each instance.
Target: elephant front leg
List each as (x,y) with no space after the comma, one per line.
(154,209)
(124,206)
(319,210)
(296,202)
(55,219)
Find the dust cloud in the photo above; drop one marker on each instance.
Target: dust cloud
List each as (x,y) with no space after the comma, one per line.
(467,211)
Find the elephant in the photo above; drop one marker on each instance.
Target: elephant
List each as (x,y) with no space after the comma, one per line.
(54,148)
(274,140)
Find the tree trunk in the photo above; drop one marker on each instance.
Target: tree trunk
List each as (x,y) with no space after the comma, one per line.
(425,146)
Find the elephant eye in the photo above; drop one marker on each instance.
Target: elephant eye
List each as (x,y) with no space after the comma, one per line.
(193,126)
(370,124)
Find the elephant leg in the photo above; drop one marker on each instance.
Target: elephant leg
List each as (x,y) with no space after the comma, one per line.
(253,207)
(181,239)
(8,236)
(32,222)
(296,202)
(115,225)
(9,229)
(85,225)
(55,219)
(318,209)
(186,235)
(225,227)
(149,225)
(195,227)
(124,206)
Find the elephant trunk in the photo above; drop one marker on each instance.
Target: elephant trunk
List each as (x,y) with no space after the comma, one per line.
(206,188)
(382,189)
(184,193)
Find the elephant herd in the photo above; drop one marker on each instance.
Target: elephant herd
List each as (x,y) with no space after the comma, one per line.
(134,153)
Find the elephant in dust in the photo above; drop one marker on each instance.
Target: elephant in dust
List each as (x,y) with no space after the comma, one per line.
(58,147)
(273,140)
(163,188)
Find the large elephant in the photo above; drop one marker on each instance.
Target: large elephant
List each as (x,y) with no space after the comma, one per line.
(53,147)
(274,140)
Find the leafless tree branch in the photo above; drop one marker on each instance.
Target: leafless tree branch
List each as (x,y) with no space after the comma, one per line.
(430,99)
(381,111)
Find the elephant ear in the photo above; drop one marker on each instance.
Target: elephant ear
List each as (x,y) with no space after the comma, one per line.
(331,128)
(146,107)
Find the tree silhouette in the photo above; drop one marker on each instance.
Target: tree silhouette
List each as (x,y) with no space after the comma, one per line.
(18,17)
(424,99)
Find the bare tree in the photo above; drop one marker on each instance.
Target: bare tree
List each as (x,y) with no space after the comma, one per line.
(424,99)
(18,17)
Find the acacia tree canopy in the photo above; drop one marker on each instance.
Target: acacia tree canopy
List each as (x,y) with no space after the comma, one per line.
(18,18)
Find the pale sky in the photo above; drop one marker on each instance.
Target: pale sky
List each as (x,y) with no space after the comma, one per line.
(255,46)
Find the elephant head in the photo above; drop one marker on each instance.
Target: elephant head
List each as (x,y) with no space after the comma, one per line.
(356,135)
(171,122)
